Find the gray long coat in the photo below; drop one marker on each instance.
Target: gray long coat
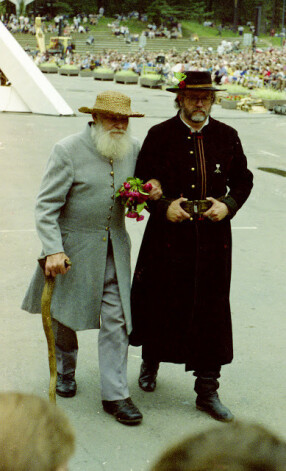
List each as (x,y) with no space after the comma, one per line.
(76,211)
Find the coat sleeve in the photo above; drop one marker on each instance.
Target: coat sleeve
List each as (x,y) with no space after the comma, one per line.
(150,165)
(57,181)
(240,179)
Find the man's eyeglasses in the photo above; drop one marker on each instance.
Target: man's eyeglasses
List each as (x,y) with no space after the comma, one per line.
(194,99)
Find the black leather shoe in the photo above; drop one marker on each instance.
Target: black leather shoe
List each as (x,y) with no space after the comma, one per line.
(148,375)
(66,385)
(212,405)
(124,411)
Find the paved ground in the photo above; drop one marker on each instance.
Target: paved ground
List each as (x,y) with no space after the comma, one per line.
(253,386)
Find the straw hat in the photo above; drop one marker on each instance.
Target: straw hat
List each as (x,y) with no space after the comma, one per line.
(194,80)
(111,102)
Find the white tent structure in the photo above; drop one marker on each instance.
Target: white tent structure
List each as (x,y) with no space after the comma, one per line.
(30,90)
(20,3)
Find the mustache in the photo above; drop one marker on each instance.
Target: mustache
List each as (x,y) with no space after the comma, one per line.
(118,131)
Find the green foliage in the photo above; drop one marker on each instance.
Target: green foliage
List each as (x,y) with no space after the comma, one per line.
(151,76)
(22,8)
(2,9)
(103,70)
(62,7)
(124,73)
(196,11)
(160,11)
(48,65)
(69,67)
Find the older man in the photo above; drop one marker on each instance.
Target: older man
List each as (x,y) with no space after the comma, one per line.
(78,217)
(180,294)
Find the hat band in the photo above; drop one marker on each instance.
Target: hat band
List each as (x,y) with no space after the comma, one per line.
(199,85)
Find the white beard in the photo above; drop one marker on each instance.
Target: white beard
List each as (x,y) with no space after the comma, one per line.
(109,145)
(199,117)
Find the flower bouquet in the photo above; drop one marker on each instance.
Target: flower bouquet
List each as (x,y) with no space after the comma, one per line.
(134,195)
(181,80)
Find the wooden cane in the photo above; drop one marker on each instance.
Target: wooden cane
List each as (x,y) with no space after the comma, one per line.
(47,325)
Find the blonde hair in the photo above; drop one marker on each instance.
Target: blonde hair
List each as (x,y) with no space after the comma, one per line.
(233,447)
(35,435)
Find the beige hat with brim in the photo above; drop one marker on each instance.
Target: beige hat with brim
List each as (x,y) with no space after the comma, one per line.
(111,102)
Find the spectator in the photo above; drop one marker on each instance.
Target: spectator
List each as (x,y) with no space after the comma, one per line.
(237,447)
(35,435)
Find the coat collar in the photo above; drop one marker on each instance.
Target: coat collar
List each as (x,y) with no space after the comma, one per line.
(185,129)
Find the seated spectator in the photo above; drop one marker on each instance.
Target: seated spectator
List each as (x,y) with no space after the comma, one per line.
(81,29)
(235,447)
(35,435)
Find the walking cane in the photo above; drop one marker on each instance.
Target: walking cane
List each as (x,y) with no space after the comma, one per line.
(47,324)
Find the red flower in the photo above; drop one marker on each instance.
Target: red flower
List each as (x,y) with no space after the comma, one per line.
(140,218)
(182,84)
(147,187)
(131,214)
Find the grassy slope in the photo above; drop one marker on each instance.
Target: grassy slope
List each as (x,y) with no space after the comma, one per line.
(188,27)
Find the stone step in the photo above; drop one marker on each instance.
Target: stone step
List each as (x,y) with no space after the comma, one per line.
(105,41)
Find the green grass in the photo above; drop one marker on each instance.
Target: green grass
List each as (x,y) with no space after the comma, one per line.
(236,89)
(267,94)
(188,29)
(134,26)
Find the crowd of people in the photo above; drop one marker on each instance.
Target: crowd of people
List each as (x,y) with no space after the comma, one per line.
(252,67)
(245,67)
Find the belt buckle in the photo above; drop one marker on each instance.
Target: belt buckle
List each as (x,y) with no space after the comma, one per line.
(196,206)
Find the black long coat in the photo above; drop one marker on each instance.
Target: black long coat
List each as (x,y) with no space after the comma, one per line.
(180,293)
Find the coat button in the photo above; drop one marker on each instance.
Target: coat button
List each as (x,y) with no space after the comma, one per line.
(104,239)
(193,169)
(112,173)
(107,228)
(191,151)
(193,186)
(191,219)
(111,161)
(189,137)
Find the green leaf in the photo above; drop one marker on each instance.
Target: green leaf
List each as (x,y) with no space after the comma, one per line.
(141,206)
(179,76)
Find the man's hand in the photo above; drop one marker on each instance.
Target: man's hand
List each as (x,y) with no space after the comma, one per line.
(156,192)
(175,212)
(55,264)
(217,211)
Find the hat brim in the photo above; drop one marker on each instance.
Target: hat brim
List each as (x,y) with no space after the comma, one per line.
(133,114)
(189,87)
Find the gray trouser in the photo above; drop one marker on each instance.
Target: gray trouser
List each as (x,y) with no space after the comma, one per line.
(112,340)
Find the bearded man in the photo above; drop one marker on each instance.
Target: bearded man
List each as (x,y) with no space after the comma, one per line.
(180,294)
(78,217)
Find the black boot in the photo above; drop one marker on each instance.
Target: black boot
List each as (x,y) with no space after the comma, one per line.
(206,386)
(148,375)
(66,385)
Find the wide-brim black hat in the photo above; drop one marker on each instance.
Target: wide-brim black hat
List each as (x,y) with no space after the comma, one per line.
(195,80)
